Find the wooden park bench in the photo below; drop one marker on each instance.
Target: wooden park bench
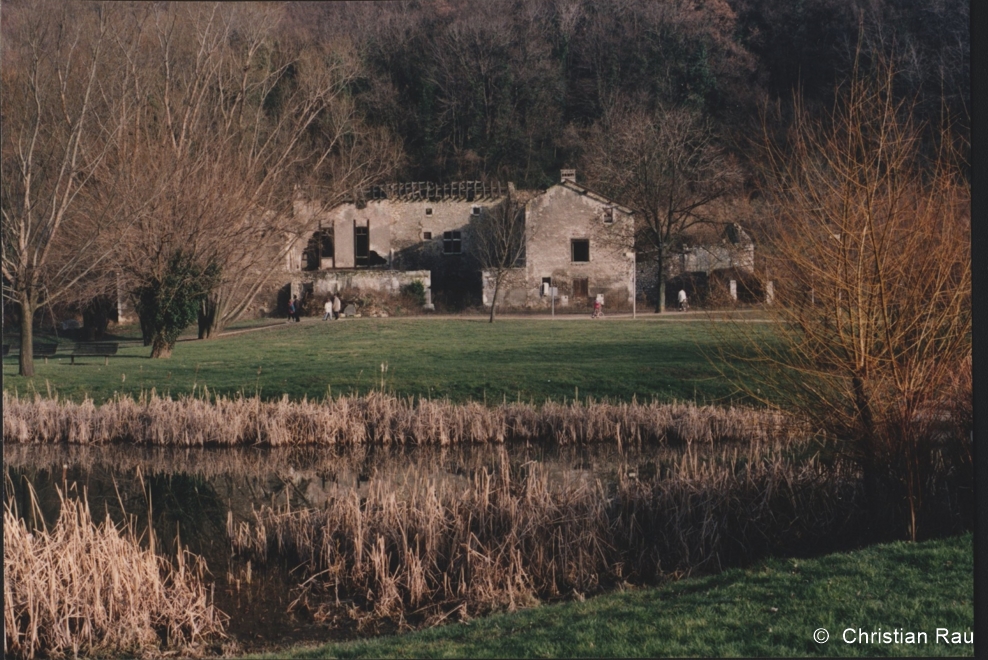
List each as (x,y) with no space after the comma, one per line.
(101,349)
(43,350)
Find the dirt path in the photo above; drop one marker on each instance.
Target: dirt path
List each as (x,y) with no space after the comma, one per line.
(647,317)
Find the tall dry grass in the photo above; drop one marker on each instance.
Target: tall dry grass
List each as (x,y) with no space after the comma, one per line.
(378,419)
(91,589)
(512,536)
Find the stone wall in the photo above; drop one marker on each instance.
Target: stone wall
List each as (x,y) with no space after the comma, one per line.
(408,235)
(708,258)
(554,220)
(326,282)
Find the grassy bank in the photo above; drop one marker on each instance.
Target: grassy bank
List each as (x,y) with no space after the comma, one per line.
(463,359)
(771,609)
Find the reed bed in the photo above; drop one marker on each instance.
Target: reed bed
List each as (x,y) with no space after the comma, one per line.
(511,536)
(378,418)
(83,588)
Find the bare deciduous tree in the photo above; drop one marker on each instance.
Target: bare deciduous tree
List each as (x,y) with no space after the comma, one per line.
(499,239)
(667,166)
(235,116)
(872,245)
(61,111)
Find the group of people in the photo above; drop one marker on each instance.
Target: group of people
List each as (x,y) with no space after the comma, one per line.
(332,307)
(598,306)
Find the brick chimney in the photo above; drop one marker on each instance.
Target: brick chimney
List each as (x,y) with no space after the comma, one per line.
(567,175)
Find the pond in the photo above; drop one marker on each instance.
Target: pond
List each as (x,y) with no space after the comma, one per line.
(195,496)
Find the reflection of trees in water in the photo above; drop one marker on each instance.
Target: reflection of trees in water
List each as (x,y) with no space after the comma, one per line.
(181,505)
(192,490)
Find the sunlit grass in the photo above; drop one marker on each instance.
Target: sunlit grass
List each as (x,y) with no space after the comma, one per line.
(463,359)
(770,609)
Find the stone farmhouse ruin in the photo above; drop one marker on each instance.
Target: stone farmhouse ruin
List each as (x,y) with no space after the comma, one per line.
(705,267)
(578,245)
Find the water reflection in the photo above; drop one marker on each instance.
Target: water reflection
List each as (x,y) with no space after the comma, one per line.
(192,495)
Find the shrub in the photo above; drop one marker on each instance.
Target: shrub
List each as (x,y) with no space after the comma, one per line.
(415,290)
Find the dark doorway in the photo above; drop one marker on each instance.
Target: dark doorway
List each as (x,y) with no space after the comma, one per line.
(581,287)
(361,245)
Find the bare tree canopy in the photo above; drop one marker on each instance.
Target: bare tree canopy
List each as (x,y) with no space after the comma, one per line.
(499,239)
(235,116)
(871,242)
(666,164)
(62,113)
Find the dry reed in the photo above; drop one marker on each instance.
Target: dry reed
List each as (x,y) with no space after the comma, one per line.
(83,588)
(511,536)
(378,419)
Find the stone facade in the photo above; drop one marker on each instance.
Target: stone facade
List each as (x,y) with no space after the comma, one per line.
(576,241)
(396,229)
(692,266)
(735,250)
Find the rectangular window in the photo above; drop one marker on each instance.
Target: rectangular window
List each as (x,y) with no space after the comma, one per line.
(476,210)
(427,235)
(428,210)
(581,287)
(580,249)
(361,245)
(609,215)
(451,242)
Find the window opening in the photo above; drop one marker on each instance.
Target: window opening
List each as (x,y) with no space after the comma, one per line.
(609,215)
(580,249)
(428,210)
(581,287)
(427,235)
(452,243)
(475,210)
(361,246)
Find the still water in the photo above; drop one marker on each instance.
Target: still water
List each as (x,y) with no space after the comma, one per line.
(192,495)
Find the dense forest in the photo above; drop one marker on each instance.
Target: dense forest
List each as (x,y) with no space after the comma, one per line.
(508,88)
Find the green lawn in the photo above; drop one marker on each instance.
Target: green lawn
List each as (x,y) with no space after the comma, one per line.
(772,609)
(460,358)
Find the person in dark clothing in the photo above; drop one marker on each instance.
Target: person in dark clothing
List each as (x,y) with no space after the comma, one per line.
(295,310)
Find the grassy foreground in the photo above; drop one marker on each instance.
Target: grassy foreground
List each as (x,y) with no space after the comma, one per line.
(461,358)
(772,609)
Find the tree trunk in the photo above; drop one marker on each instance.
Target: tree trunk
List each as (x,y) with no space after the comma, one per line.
(26,359)
(147,332)
(210,316)
(870,461)
(660,300)
(497,287)
(161,348)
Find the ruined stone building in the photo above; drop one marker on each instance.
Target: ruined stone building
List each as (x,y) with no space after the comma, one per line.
(734,250)
(578,245)
(704,263)
(389,236)
(577,241)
